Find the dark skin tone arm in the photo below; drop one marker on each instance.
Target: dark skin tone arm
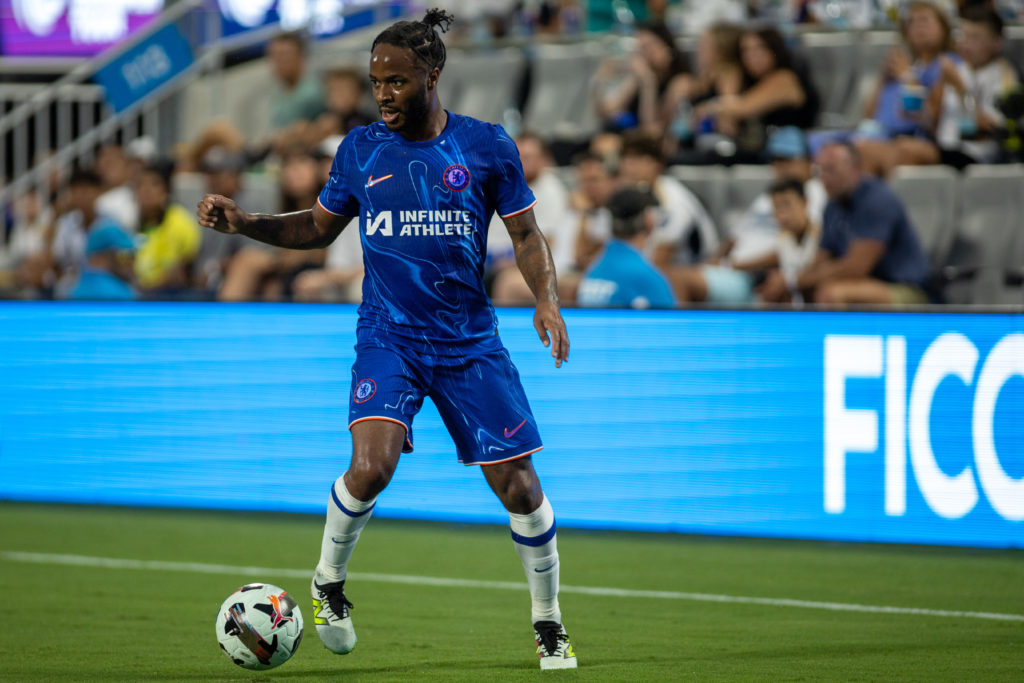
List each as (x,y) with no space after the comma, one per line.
(310,229)
(534,260)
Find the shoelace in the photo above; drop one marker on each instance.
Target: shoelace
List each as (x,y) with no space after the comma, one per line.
(550,636)
(335,597)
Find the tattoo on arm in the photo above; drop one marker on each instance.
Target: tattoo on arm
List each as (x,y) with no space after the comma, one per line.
(533,256)
(297,230)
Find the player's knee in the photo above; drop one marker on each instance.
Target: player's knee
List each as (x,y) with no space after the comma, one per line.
(367,478)
(520,495)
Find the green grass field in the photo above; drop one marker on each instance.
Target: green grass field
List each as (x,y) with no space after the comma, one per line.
(72,622)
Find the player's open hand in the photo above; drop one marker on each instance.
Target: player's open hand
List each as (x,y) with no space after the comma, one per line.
(547,320)
(220,213)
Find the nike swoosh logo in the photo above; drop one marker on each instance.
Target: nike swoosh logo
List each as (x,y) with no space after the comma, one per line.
(334,540)
(541,571)
(373,181)
(510,434)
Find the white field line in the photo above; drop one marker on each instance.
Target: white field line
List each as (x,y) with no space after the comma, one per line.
(265,572)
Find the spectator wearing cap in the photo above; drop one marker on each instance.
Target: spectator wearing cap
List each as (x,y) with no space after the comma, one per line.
(170,235)
(623,277)
(730,277)
(869,252)
(108,272)
(64,257)
(684,233)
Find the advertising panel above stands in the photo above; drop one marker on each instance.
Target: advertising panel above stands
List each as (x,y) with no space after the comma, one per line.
(895,427)
(70,28)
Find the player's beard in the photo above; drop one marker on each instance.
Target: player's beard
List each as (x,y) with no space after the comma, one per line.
(416,112)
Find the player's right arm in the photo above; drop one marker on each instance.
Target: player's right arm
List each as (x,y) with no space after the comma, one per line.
(310,229)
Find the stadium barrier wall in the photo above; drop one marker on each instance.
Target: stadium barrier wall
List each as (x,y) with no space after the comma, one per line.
(894,427)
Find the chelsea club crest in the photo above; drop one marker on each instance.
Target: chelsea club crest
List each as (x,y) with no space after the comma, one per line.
(364,391)
(456,177)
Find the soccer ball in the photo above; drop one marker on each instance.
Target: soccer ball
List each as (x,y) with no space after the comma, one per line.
(259,626)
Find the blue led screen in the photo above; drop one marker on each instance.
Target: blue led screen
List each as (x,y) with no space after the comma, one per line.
(896,427)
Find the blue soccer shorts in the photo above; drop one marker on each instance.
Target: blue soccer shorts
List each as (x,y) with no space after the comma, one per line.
(478,395)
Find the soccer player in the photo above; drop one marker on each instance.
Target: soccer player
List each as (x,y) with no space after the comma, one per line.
(424,182)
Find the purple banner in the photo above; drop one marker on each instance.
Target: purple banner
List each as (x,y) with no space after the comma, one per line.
(50,28)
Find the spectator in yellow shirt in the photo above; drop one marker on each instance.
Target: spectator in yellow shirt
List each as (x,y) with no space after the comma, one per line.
(169,235)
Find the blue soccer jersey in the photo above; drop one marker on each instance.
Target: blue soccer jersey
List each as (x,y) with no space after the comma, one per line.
(423,210)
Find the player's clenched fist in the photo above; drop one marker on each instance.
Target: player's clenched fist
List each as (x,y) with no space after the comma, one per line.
(220,213)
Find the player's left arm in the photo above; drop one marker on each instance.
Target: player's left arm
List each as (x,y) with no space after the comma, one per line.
(533,256)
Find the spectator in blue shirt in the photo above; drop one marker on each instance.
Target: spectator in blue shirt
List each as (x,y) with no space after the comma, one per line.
(110,265)
(869,251)
(622,276)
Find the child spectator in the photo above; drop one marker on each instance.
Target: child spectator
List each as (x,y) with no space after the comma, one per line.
(169,235)
(108,272)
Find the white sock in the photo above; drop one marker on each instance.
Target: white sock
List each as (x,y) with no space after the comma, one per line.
(534,538)
(346,517)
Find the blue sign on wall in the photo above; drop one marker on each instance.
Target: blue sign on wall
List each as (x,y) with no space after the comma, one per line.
(883,427)
(145,67)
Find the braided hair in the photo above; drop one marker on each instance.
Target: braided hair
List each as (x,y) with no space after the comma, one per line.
(420,37)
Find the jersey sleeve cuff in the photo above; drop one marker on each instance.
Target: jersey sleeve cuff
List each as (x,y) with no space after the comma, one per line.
(516,213)
(326,209)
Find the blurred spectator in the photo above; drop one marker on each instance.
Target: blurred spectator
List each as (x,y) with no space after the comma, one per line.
(753,242)
(869,252)
(169,234)
(260,273)
(223,171)
(799,236)
(775,92)
(297,95)
(685,232)
(632,93)
(108,271)
(66,254)
(552,212)
(622,275)
(718,74)
(969,118)
(118,198)
(596,183)
(23,241)
(343,89)
(908,100)
(341,278)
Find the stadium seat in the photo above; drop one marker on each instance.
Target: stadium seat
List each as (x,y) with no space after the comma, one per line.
(709,184)
(874,46)
(484,83)
(832,60)
(559,102)
(745,184)
(931,195)
(989,249)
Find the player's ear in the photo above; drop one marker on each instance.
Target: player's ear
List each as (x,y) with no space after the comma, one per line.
(432,77)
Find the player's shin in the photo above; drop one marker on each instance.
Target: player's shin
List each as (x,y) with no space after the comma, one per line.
(534,538)
(346,517)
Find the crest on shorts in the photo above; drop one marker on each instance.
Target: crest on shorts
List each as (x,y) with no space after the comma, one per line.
(364,391)
(456,177)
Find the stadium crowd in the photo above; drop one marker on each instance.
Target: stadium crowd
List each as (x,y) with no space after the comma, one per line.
(624,230)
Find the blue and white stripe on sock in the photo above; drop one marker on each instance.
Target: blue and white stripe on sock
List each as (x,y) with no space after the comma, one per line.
(346,517)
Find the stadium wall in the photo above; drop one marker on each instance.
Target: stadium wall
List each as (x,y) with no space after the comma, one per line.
(895,427)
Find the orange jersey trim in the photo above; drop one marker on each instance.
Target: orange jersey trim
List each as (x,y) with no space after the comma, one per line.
(516,213)
(328,210)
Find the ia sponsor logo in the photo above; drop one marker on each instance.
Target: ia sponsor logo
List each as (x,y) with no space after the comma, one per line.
(423,223)
(855,430)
